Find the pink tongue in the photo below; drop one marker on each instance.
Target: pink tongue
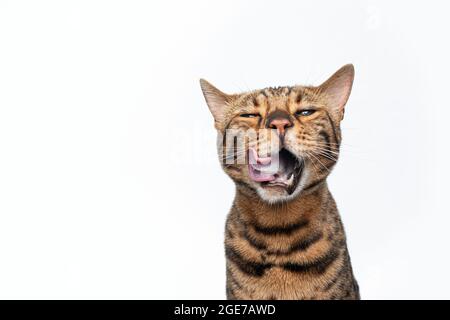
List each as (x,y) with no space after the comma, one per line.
(255,159)
(256,162)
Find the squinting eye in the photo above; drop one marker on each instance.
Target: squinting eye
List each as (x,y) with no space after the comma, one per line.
(249,115)
(304,113)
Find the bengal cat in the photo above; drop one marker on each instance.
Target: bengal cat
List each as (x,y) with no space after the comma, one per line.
(284,238)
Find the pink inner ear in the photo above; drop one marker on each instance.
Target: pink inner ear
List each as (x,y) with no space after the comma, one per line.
(216,100)
(338,96)
(338,87)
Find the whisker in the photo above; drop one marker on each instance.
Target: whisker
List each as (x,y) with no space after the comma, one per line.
(316,170)
(327,156)
(324,149)
(320,162)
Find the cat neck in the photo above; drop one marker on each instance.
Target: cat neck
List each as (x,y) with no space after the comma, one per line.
(305,207)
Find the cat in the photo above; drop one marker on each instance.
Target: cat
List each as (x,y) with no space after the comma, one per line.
(284,238)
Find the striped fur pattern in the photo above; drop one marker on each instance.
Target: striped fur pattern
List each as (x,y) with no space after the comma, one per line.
(287,242)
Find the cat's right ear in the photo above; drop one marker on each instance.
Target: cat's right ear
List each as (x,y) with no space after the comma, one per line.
(217,100)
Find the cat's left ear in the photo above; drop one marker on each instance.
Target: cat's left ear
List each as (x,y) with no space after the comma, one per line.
(217,101)
(337,88)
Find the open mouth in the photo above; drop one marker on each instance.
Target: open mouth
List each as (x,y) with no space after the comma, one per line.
(282,171)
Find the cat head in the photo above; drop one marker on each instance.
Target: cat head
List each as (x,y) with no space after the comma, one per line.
(280,142)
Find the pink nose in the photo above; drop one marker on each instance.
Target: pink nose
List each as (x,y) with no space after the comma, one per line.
(281,124)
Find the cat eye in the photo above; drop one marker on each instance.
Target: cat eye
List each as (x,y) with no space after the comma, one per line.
(304,113)
(249,115)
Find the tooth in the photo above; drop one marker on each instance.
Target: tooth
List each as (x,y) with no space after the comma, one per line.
(291,179)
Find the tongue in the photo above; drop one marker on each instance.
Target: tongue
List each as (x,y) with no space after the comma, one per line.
(261,169)
(255,159)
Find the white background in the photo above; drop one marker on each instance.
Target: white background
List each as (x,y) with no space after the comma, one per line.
(109,185)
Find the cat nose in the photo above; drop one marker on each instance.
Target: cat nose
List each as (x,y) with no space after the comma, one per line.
(281,124)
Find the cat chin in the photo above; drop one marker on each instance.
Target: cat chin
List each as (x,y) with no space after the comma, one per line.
(279,195)
(274,195)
